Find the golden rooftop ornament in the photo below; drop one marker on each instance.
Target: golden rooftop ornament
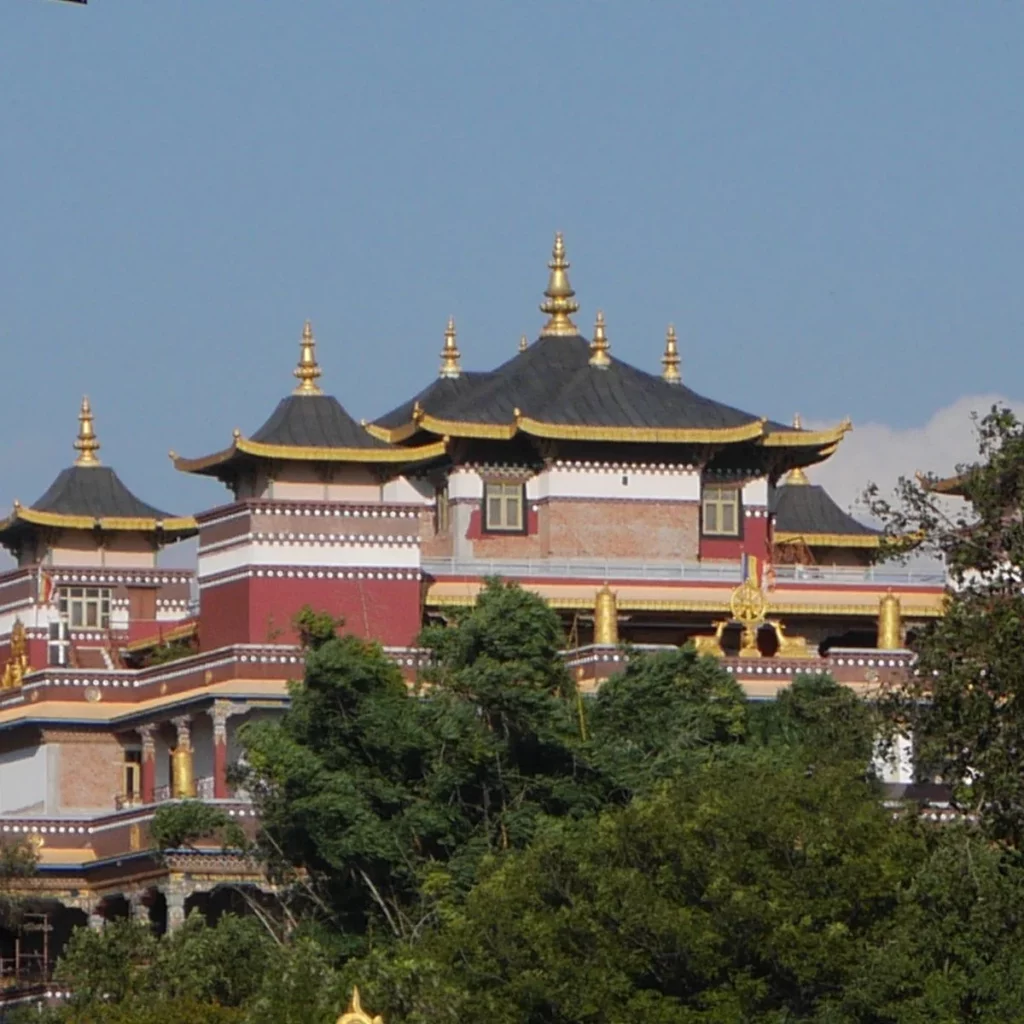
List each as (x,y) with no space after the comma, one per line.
(308,369)
(670,360)
(450,367)
(797,475)
(560,302)
(599,346)
(86,444)
(355,1014)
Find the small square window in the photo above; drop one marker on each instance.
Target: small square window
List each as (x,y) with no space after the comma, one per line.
(721,511)
(503,507)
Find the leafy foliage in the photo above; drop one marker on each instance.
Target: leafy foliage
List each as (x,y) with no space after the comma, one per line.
(179,825)
(965,706)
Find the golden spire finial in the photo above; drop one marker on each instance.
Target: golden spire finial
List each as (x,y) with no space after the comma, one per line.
(670,360)
(523,343)
(796,475)
(599,347)
(308,369)
(560,302)
(450,353)
(86,444)
(355,1014)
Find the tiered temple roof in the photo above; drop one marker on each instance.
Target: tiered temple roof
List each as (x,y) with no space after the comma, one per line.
(567,387)
(90,496)
(307,426)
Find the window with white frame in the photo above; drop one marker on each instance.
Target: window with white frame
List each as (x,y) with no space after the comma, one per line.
(503,507)
(57,645)
(721,511)
(85,607)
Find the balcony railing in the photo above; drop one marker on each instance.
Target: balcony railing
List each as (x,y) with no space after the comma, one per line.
(584,568)
(698,572)
(204,787)
(853,575)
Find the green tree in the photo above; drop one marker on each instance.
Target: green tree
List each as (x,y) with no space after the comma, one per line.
(817,715)
(183,824)
(649,722)
(388,800)
(965,703)
(746,890)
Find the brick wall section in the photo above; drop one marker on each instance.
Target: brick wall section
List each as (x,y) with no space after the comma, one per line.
(645,530)
(90,773)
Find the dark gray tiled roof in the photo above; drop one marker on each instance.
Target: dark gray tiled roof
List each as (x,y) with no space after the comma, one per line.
(314,421)
(95,491)
(810,509)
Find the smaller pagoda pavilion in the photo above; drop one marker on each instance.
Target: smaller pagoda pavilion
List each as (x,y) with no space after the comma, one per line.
(809,527)
(87,579)
(321,516)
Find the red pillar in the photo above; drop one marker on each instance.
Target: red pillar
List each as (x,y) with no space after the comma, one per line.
(220,714)
(148,764)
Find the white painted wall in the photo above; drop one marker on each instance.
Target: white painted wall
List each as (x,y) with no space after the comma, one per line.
(415,491)
(328,556)
(23,780)
(619,484)
(755,492)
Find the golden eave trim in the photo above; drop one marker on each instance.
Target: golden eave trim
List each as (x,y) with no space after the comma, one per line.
(302,453)
(392,435)
(172,524)
(460,428)
(807,438)
(627,604)
(653,435)
(313,454)
(830,540)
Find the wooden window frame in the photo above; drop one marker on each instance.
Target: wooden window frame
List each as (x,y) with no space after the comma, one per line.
(718,503)
(507,487)
(78,599)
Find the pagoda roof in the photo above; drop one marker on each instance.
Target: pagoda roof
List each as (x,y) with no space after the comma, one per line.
(806,512)
(88,496)
(566,387)
(552,390)
(307,426)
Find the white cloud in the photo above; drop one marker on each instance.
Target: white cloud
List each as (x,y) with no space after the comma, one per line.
(876,453)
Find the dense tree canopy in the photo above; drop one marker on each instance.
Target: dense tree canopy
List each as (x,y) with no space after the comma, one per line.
(965,705)
(491,845)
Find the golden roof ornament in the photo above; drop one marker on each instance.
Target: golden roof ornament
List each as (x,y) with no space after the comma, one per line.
(560,302)
(599,347)
(355,1014)
(450,366)
(86,444)
(670,360)
(796,475)
(308,369)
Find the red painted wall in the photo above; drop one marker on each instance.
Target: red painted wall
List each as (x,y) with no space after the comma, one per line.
(261,610)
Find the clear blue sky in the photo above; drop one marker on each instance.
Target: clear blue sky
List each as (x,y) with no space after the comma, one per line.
(826,198)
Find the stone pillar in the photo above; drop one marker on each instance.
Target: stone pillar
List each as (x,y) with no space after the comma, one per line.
(183,783)
(220,713)
(148,763)
(140,909)
(175,908)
